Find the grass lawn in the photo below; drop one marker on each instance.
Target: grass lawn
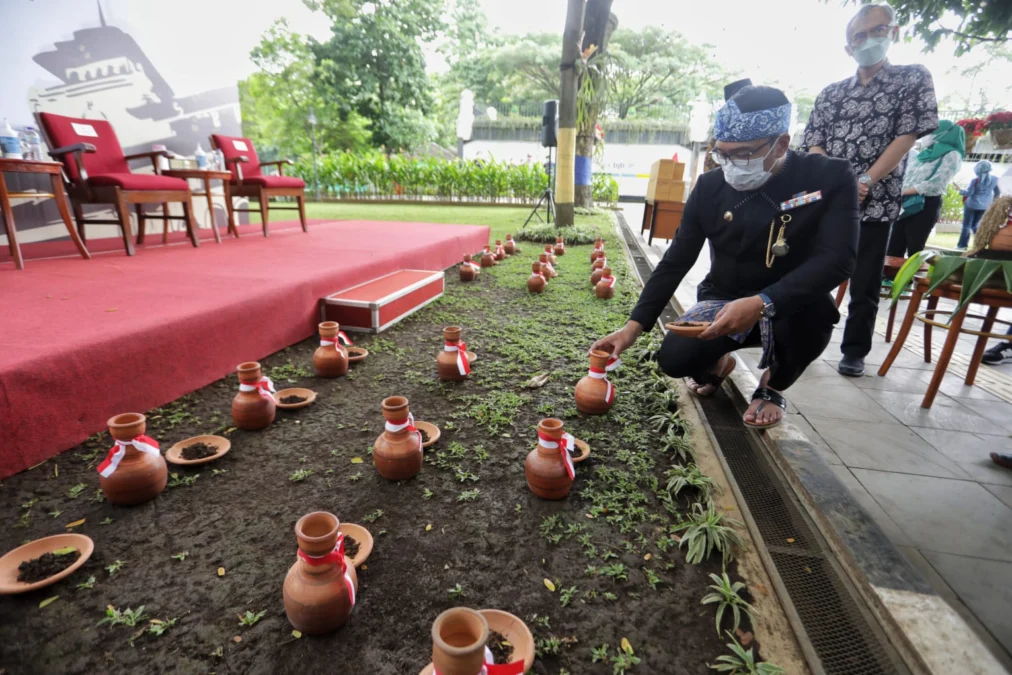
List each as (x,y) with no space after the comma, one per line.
(501,219)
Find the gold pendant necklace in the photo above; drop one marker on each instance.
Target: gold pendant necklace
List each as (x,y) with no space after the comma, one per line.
(779,248)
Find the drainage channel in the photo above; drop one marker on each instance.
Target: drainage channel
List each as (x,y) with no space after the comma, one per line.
(842,636)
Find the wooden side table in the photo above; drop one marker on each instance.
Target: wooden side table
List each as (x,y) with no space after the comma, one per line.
(54,170)
(206,176)
(662,218)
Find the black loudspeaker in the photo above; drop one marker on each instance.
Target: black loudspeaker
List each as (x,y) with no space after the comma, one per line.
(550,124)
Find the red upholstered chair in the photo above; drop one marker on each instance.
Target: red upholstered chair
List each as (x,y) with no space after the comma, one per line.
(249,180)
(97,172)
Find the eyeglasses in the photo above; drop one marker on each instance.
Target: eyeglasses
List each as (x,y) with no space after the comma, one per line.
(738,157)
(879,31)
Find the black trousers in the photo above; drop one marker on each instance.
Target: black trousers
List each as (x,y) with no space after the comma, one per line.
(798,340)
(911,234)
(865,287)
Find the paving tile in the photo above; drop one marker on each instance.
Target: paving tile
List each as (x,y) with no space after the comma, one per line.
(1002,492)
(942,514)
(971,452)
(998,412)
(822,373)
(868,503)
(820,445)
(945,413)
(842,402)
(985,586)
(885,447)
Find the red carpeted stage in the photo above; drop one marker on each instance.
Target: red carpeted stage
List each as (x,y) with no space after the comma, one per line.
(82,340)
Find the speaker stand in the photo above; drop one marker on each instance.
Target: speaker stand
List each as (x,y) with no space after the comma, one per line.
(547,198)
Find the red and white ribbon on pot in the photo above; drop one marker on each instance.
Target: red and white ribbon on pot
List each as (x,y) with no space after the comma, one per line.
(473,265)
(117,452)
(264,386)
(402,425)
(608,280)
(563,444)
(335,557)
(463,365)
(490,668)
(341,338)
(499,250)
(598,374)
(551,269)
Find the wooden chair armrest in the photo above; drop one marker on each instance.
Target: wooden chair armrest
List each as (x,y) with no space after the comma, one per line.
(238,160)
(280,163)
(153,155)
(78,150)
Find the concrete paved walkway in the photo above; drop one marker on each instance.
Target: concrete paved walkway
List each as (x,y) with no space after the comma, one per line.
(923,475)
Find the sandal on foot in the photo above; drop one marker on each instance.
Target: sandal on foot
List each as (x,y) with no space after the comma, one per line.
(1002,459)
(712,379)
(768,396)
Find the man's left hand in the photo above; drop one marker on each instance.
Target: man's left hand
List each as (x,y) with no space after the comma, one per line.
(738,316)
(862,191)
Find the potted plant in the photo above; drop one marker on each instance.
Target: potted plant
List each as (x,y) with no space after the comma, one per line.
(1000,126)
(974,127)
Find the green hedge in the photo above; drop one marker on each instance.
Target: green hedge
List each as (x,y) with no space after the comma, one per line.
(373,174)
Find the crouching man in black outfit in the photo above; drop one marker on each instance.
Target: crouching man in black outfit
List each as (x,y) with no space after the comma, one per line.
(782,228)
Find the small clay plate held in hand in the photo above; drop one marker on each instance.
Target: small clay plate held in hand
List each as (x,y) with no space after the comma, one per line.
(431,430)
(308,394)
(174,455)
(9,583)
(356,354)
(362,537)
(688,329)
(584,454)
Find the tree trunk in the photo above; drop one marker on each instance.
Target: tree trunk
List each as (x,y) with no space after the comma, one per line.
(584,194)
(564,172)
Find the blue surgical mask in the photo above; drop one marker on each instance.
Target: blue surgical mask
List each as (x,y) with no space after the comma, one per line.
(872,51)
(752,176)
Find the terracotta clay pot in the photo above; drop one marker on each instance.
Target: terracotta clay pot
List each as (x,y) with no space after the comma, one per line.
(549,270)
(510,245)
(397,454)
(551,254)
(331,360)
(595,395)
(458,642)
(560,246)
(449,369)
(488,258)
(536,282)
(605,288)
(139,476)
(319,591)
(469,271)
(595,276)
(598,250)
(600,262)
(545,468)
(251,409)
(500,252)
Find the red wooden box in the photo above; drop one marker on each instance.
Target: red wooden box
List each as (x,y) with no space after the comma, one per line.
(378,304)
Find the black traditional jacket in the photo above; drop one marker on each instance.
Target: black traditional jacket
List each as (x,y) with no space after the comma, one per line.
(821,238)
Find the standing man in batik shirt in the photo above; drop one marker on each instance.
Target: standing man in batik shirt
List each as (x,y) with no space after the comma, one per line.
(781,227)
(872,120)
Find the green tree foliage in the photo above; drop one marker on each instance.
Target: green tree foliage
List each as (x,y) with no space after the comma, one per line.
(968,22)
(373,65)
(653,66)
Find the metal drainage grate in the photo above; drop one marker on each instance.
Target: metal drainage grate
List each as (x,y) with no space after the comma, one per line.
(841,631)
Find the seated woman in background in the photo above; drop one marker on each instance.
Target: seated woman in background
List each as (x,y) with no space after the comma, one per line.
(924,183)
(979,194)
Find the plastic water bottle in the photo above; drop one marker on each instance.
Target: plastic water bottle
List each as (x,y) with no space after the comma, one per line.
(201,157)
(32,144)
(163,161)
(219,160)
(9,141)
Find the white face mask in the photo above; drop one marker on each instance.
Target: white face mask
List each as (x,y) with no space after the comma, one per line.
(873,51)
(752,176)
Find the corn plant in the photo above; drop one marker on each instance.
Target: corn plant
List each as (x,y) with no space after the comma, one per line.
(727,595)
(705,530)
(741,662)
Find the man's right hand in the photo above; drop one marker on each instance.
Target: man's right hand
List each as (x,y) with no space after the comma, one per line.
(620,340)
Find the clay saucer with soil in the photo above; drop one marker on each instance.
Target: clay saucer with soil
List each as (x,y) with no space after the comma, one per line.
(515,632)
(430,432)
(360,547)
(471,356)
(687,328)
(584,449)
(11,563)
(294,398)
(356,354)
(198,450)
